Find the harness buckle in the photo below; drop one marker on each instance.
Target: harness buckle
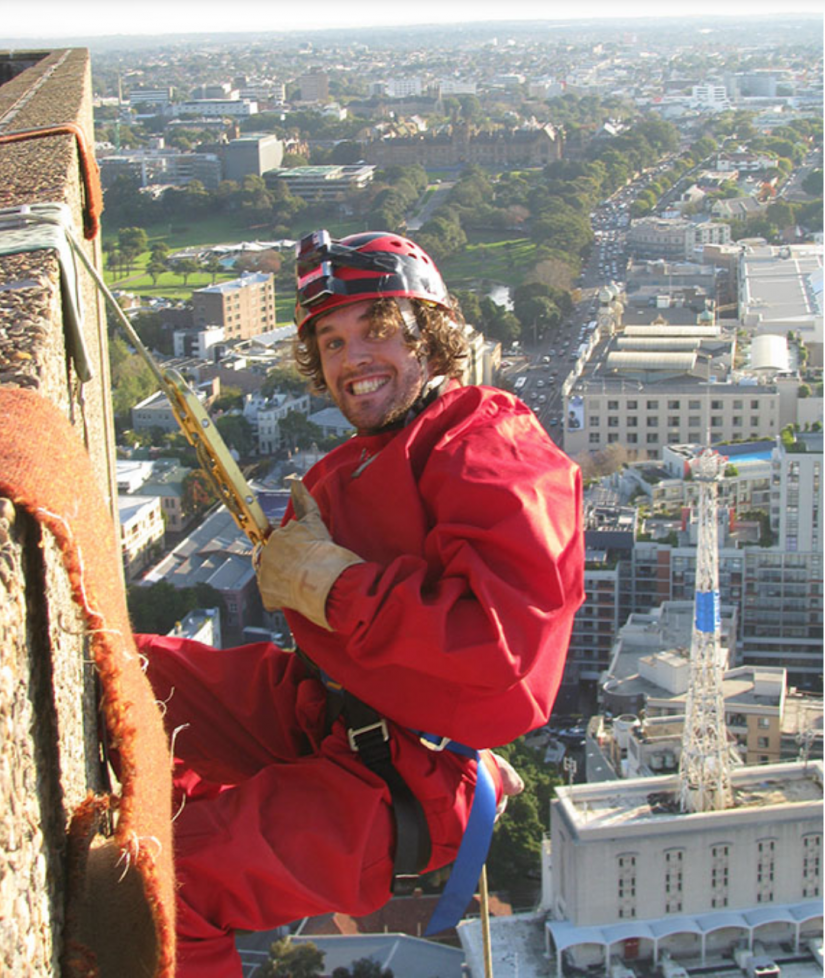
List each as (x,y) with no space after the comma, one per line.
(432,742)
(354,732)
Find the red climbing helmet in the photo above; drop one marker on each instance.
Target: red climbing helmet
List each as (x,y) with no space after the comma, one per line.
(371,265)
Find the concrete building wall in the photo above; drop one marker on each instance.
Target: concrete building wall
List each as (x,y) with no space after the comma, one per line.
(646,867)
(49,751)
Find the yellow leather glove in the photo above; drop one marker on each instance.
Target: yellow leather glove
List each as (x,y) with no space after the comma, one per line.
(300,562)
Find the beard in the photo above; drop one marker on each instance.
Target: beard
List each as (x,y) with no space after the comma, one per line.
(386,407)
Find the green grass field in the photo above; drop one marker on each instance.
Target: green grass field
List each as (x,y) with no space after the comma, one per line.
(490,261)
(485,259)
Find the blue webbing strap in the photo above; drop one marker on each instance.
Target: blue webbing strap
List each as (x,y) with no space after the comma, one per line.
(471,853)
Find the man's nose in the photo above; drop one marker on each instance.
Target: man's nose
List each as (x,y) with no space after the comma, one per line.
(358,350)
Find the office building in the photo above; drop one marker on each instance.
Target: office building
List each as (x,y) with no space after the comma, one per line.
(630,876)
(316,183)
(253,153)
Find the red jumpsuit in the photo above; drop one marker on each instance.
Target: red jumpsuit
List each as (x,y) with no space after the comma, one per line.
(457,623)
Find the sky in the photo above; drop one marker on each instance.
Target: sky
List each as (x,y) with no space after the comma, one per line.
(88,18)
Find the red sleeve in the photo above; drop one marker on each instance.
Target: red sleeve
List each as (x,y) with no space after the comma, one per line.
(469,639)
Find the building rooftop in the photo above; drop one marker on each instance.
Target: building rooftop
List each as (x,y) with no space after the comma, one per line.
(623,805)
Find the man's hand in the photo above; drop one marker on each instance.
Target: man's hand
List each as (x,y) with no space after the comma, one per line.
(299,562)
(511,782)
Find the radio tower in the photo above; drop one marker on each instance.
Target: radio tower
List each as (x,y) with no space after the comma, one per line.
(703,771)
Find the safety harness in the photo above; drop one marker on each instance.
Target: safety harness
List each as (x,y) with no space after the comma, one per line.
(368,735)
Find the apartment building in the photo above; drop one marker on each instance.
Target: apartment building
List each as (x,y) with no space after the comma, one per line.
(244,307)
(609,534)
(674,239)
(265,415)
(161,477)
(314,86)
(778,597)
(141,532)
(796,492)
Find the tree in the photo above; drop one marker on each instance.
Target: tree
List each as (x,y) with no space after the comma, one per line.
(363,968)
(131,243)
(470,306)
(132,379)
(212,265)
(229,398)
(288,960)
(283,379)
(237,433)
(515,851)
(155,269)
(198,493)
(156,609)
(812,184)
(297,431)
(185,267)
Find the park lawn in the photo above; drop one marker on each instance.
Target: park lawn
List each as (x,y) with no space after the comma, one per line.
(503,262)
(210,230)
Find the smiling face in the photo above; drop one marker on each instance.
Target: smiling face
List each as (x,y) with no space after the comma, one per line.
(371,374)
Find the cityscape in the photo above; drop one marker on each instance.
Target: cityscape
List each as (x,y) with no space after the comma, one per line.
(629,211)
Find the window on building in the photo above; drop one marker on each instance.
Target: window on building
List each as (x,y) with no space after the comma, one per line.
(632,438)
(613,422)
(673,421)
(626,884)
(754,405)
(653,405)
(811,856)
(716,405)
(612,405)
(674,405)
(720,854)
(674,861)
(632,421)
(632,405)
(694,405)
(653,422)
(652,439)
(595,438)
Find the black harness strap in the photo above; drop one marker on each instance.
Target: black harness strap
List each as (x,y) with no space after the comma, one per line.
(369,737)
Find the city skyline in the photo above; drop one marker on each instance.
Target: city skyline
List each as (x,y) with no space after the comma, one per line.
(92,19)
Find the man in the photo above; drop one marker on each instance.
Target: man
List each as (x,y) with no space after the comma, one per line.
(430,569)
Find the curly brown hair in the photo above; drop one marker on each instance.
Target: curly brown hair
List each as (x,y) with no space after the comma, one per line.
(440,338)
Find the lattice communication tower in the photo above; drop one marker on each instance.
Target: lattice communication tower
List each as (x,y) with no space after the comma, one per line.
(704,769)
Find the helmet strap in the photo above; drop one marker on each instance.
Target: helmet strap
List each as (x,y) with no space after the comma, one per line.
(405,307)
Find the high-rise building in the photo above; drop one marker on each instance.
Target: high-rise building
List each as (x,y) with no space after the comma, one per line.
(244,307)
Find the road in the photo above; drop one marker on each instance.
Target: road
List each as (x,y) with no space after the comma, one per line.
(433,202)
